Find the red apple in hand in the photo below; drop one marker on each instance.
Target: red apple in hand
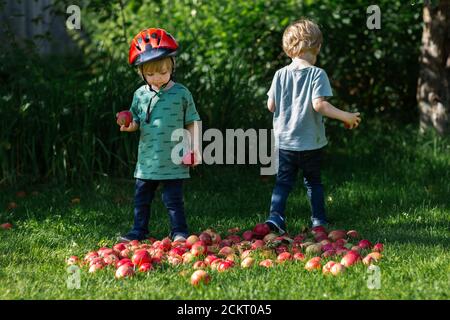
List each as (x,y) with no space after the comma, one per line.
(124,118)
(189,159)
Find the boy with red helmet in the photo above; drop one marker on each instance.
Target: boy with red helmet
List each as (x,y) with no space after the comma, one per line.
(159,107)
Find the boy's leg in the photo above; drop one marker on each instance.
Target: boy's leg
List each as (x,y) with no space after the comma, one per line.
(144,194)
(286,177)
(311,165)
(172,197)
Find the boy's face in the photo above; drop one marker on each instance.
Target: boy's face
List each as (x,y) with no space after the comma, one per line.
(157,79)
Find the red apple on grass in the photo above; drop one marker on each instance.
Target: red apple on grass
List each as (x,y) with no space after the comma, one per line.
(209,259)
(191,240)
(123,262)
(124,271)
(140,257)
(283,257)
(247,262)
(353,234)
(145,267)
(365,244)
(313,264)
(225,251)
(260,230)
(257,244)
(268,263)
(299,256)
(6,226)
(337,234)
(188,257)
(205,238)
(337,269)
(199,265)
(224,266)
(198,249)
(95,267)
(72,260)
(247,235)
(124,118)
(199,277)
(350,259)
(327,267)
(378,247)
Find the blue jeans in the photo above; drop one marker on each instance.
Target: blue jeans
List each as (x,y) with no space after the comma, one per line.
(289,164)
(172,196)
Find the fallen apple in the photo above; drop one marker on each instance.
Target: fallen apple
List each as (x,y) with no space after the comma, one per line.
(124,271)
(378,247)
(327,267)
(145,267)
(95,267)
(353,234)
(191,240)
(224,266)
(123,262)
(6,226)
(247,235)
(188,257)
(72,260)
(257,244)
(365,244)
(337,269)
(199,265)
(205,238)
(314,249)
(140,257)
(225,251)
(351,258)
(199,277)
(247,262)
(337,234)
(267,263)
(299,256)
(260,230)
(313,264)
(283,257)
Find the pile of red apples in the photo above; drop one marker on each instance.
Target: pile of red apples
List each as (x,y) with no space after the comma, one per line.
(332,252)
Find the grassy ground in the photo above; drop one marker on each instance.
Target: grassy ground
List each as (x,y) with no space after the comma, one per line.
(388,184)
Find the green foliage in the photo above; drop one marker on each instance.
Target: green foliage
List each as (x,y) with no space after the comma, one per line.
(58,112)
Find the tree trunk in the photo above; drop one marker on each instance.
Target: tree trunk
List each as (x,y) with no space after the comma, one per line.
(433,90)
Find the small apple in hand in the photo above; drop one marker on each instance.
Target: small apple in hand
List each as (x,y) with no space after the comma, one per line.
(124,118)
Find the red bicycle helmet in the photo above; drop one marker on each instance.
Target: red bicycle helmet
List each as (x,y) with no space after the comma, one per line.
(151,44)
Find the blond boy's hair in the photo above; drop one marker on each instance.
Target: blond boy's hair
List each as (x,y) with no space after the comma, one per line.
(301,36)
(160,65)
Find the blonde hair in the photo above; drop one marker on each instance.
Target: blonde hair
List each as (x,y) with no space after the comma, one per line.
(160,65)
(301,36)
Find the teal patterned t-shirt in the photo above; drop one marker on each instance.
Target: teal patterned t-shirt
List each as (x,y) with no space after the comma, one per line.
(170,109)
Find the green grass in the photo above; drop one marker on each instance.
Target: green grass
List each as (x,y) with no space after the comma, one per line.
(388,184)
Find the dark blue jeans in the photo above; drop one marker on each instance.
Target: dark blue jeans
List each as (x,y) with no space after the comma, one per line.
(172,197)
(289,164)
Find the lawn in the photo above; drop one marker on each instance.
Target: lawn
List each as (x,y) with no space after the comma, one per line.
(389,184)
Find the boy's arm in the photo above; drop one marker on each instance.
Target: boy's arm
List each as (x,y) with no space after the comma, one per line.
(327,109)
(271,105)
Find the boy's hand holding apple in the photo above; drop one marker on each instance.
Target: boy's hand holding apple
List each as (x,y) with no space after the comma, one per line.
(125,121)
(352,120)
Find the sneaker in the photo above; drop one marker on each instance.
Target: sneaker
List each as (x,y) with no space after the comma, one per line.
(130,236)
(318,223)
(179,237)
(276,223)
